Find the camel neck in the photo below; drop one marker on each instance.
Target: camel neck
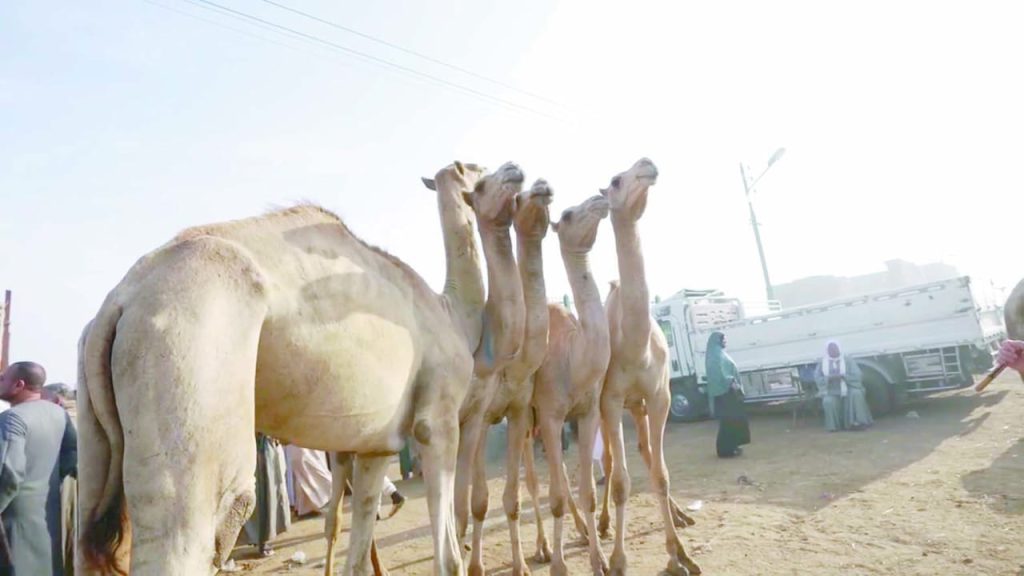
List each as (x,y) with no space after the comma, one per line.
(464,282)
(633,293)
(529,255)
(585,294)
(505,310)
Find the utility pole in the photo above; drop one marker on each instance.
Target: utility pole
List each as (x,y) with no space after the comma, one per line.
(5,342)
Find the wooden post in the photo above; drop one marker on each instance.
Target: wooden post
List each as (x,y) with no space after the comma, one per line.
(5,330)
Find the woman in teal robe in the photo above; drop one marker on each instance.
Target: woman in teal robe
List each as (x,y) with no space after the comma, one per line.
(727,397)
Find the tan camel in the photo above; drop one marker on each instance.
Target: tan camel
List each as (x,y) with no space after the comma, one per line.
(638,374)
(501,338)
(461,189)
(511,397)
(568,383)
(287,324)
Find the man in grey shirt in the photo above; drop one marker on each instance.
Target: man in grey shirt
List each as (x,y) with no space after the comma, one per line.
(38,448)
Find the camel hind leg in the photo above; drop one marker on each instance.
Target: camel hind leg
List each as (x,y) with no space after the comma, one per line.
(341,474)
(640,419)
(183,370)
(543,553)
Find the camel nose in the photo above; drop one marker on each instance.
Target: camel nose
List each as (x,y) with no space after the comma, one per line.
(510,172)
(648,166)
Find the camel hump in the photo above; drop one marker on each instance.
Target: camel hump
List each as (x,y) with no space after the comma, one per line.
(214,254)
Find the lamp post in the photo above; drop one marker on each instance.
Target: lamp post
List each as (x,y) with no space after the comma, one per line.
(748,188)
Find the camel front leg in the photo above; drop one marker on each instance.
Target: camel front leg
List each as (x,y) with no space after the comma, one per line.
(480,503)
(367,482)
(518,423)
(611,413)
(588,426)
(551,433)
(543,547)
(679,562)
(341,475)
(437,440)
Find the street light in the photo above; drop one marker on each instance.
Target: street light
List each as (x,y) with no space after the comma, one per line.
(748,187)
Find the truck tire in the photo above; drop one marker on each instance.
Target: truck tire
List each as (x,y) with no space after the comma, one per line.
(879,393)
(687,405)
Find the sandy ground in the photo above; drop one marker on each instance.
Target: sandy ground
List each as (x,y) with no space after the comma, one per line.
(939,494)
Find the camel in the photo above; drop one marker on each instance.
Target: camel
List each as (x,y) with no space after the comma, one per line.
(638,373)
(568,383)
(462,190)
(287,324)
(511,397)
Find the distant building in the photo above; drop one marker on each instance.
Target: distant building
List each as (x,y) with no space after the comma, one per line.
(898,274)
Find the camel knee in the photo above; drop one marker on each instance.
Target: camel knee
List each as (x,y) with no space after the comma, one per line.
(235,511)
(480,506)
(557,505)
(510,500)
(620,489)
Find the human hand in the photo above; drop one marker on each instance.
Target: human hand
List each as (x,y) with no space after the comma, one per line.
(1011,353)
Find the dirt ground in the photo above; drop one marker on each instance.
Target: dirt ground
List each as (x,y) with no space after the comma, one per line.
(942,493)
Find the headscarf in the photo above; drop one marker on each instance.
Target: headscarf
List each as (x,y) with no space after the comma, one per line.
(718,365)
(835,366)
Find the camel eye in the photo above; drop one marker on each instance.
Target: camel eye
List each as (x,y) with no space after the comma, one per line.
(616,181)
(567,216)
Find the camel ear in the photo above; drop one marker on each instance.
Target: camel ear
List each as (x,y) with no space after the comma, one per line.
(554,227)
(517,202)
(429,183)
(460,168)
(603,191)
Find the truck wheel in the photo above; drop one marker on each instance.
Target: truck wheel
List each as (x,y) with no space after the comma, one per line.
(878,392)
(684,407)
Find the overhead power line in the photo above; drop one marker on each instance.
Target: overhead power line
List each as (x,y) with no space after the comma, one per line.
(377,60)
(411,52)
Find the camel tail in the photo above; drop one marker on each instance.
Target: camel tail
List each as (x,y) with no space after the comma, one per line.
(103,518)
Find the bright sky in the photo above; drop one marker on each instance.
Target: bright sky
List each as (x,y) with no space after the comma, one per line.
(122,122)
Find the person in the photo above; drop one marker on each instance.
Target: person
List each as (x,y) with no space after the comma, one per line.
(1011,354)
(597,455)
(841,387)
(63,396)
(727,396)
(272,515)
(391,492)
(309,479)
(38,449)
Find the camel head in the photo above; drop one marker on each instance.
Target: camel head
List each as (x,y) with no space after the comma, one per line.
(530,210)
(577,228)
(456,178)
(627,192)
(494,195)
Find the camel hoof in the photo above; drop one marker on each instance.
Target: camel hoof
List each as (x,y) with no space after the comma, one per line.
(558,568)
(602,526)
(543,554)
(605,534)
(522,571)
(476,570)
(674,568)
(598,564)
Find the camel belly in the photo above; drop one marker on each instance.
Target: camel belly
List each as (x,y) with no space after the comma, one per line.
(344,385)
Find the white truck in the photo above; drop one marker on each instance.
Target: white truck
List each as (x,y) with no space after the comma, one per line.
(915,340)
